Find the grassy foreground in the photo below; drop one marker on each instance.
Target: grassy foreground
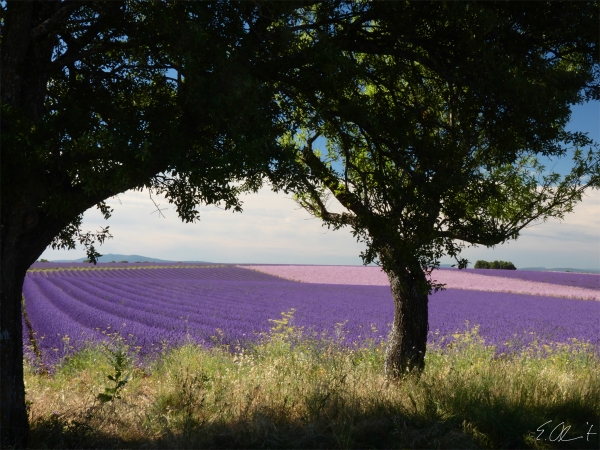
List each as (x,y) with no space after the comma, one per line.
(290,391)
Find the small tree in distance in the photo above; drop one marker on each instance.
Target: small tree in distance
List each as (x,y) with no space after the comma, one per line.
(505,265)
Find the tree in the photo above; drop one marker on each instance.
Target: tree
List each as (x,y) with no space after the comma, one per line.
(101,97)
(437,144)
(198,100)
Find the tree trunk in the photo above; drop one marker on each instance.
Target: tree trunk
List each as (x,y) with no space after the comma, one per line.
(13,265)
(13,420)
(407,341)
(24,236)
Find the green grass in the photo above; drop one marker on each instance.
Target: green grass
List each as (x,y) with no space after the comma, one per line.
(290,391)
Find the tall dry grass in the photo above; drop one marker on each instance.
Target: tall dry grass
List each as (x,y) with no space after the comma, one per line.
(296,391)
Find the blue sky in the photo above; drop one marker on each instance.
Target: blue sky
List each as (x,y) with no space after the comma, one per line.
(272,229)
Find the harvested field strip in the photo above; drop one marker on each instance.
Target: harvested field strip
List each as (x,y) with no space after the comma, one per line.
(453,279)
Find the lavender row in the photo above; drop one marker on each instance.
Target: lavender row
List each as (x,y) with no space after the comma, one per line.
(585,280)
(169,311)
(516,319)
(204,273)
(54,330)
(81,323)
(238,320)
(202,314)
(182,299)
(90,309)
(210,301)
(82,265)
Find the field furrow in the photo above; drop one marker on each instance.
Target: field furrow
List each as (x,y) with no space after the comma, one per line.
(233,305)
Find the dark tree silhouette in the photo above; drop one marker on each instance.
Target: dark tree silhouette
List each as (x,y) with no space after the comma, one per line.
(100,97)
(436,145)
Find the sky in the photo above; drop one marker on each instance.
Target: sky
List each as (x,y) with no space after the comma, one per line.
(272,229)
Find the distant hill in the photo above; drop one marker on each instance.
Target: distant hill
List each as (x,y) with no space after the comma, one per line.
(138,258)
(560,269)
(118,258)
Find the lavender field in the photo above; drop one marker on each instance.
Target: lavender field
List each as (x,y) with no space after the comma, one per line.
(155,306)
(557,284)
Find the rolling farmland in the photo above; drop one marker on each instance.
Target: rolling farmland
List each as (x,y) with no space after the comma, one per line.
(154,306)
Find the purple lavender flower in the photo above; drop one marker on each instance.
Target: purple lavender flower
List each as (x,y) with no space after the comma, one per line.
(151,308)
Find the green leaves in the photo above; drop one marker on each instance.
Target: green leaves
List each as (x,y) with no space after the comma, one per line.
(73,234)
(428,111)
(437,144)
(133,91)
(119,359)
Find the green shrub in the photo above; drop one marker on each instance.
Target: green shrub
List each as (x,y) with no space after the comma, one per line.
(119,360)
(44,260)
(505,265)
(124,261)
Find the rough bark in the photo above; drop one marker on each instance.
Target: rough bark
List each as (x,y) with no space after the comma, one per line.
(407,341)
(24,61)
(14,423)
(25,234)
(14,264)
(21,241)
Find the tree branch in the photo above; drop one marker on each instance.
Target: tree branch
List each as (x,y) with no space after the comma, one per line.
(331,181)
(66,59)
(44,28)
(371,47)
(319,209)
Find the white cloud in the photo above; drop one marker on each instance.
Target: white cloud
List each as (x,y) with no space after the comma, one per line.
(573,242)
(272,229)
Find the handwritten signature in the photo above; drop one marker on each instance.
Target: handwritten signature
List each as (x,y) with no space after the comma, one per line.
(559,433)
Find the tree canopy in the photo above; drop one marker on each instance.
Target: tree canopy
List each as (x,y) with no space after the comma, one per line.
(101,97)
(125,95)
(438,140)
(436,144)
